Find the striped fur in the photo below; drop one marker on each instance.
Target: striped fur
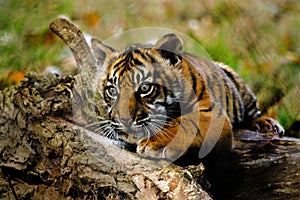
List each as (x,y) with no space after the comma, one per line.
(156,94)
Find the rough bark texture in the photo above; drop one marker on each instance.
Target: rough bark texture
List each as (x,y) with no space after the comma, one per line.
(46,153)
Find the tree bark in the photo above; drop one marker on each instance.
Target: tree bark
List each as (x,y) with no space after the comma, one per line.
(47,153)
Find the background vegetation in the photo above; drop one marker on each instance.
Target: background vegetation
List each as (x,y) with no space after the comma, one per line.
(259,39)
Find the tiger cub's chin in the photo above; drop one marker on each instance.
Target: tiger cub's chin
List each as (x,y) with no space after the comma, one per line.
(173,100)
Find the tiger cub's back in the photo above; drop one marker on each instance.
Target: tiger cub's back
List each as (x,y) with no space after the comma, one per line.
(228,89)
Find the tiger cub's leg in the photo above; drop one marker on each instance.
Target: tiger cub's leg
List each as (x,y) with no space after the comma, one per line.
(170,142)
(216,134)
(210,129)
(267,125)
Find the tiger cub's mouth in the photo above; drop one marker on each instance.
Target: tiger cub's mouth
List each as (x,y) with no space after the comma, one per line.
(131,132)
(131,138)
(134,132)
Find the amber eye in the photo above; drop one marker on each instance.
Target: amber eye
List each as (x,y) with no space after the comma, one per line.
(146,89)
(111,91)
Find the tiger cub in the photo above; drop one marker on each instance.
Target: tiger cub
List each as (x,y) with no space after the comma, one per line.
(165,101)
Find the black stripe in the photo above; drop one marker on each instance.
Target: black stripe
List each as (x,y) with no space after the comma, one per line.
(227,106)
(251,107)
(194,86)
(208,109)
(232,78)
(110,114)
(138,77)
(152,60)
(120,62)
(235,112)
(230,99)
(122,71)
(201,93)
(210,86)
(118,66)
(137,51)
(128,57)
(220,88)
(196,126)
(136,54)
(220,112)
(156,92)
(194,80)
(132,75)
(236,99)
(109,79)
(136,61)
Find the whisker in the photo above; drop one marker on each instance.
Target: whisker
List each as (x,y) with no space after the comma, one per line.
(147,132)
(165,132)
(155,130)
(97,123)
(102,128)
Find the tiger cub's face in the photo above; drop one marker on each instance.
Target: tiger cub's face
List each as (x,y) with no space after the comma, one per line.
(141,87)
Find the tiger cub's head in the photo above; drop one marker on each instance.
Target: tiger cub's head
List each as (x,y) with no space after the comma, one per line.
(141,87)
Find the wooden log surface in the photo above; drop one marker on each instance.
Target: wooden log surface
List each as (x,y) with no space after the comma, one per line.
(266,167)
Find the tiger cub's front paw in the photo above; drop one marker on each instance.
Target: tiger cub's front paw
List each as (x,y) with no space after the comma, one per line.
(157,150)
(149,149)
(267,125)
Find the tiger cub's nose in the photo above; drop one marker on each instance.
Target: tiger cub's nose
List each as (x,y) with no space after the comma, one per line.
(127,122)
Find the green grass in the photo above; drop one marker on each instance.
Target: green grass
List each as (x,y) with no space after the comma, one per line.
(221,51)
(259,39)
(23,34)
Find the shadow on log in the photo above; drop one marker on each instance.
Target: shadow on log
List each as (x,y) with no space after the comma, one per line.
(46,153)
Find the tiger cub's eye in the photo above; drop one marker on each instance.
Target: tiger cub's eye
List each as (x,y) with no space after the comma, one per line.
(111,91)
(146,89)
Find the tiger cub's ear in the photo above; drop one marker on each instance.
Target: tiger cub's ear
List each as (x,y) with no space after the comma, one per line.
(170,47)
(100,50)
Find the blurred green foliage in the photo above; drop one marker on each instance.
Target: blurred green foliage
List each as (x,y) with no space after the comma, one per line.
(24,33)
(259,39)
